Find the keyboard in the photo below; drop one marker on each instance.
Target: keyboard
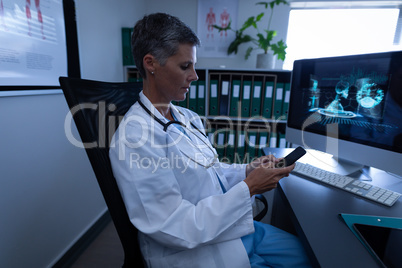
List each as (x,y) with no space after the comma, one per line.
(349,184)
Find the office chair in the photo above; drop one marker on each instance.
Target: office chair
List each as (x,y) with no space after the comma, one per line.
(97,108)
(103,105)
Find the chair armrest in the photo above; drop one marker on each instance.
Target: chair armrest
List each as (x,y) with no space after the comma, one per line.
(264,211)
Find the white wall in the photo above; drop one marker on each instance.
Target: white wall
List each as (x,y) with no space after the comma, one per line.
(99,35)
(48,193)
(187,10)
(49,196)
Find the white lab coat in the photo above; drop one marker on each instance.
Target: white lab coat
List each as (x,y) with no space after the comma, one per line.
(178,206)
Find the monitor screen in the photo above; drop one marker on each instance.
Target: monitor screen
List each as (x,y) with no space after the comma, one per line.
(349,106)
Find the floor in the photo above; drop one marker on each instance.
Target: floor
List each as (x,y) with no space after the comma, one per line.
(104,252)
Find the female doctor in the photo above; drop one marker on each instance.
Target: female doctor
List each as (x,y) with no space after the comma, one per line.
(190,209)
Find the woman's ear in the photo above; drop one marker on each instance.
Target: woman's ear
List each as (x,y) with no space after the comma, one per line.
(149,63)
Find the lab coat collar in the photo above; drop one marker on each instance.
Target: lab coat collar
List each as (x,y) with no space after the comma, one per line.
(178,114)
(152,108)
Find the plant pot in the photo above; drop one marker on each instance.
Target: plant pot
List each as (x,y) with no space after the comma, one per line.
(266,61)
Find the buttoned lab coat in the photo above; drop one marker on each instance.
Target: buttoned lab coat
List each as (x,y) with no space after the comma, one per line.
(178,206)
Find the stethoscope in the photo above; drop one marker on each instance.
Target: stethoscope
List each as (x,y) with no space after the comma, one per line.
(166,125)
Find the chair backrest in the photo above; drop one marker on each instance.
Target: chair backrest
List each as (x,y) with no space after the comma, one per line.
(97,108)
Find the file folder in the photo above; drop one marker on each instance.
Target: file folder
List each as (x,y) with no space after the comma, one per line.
(235,99)
(262,143)
(192,101)
(213,97)
(240,147)
(256,100)
(245,102)
(126,46)
(230,149)
(282,140)
(224,99)
(267,101)
(285,106)
(201,97)
(251,144)
(273,140)
(211,136)
(220,143)
(278,100)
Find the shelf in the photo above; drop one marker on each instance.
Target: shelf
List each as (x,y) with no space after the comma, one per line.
(238,105)
(244,119)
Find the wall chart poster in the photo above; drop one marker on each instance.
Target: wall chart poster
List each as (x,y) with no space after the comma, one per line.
(32,42)
(216,12)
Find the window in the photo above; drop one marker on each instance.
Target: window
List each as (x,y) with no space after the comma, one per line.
(328,32)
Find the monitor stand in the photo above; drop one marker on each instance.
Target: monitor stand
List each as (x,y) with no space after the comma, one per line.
(345,167)
(352,169)
(339,166)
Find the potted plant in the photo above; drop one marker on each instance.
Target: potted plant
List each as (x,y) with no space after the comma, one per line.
(263,39)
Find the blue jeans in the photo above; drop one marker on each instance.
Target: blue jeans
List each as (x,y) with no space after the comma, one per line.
(269,246)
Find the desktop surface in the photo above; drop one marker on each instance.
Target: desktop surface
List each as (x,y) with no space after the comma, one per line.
(313,210)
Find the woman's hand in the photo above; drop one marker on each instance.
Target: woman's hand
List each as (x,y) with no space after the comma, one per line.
(266,160)
(262,176)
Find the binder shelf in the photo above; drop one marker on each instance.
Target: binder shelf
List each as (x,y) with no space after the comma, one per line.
(243,110)
(244,94)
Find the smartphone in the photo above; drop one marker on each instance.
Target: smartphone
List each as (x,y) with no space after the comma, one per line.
(291,158)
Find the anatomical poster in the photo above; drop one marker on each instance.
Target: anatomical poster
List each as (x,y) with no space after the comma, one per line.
(219,13)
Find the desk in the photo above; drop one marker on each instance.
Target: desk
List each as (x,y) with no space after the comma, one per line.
(310,210)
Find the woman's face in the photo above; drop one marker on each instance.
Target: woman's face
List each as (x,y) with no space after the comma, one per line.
(172,80)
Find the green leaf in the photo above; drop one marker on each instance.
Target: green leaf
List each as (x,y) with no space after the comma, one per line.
(249,22)
(233,47)
(258,18)
(270,35)
(263,42)
(245,38)
(263,3)
(272,3)
(259,40)
(240,39)
(228,27)
(248,52)
(279,49)
(277,2)
(218,27)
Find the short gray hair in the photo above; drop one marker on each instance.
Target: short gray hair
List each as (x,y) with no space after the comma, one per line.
(160,35)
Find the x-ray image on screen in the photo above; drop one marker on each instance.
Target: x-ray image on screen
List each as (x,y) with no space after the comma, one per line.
(361,96)
(361,93)
(349,107)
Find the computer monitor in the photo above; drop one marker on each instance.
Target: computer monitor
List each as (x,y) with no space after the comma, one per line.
(349,107)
